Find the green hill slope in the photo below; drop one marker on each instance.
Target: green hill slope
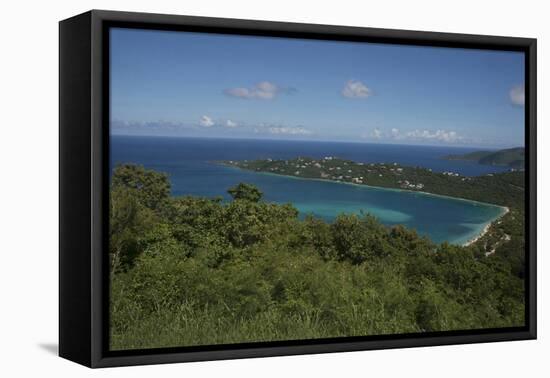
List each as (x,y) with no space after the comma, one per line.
(511,157)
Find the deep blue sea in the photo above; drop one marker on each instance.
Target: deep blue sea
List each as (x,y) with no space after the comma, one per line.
(190,165)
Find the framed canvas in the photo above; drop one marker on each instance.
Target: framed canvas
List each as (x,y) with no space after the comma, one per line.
(235,188)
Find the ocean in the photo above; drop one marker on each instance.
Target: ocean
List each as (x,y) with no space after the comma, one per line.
(190,163)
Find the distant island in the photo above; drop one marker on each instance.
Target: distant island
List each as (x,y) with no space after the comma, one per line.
(511,157)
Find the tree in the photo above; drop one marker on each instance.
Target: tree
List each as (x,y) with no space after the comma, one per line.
(357,239)
(152,188)
(129,221)
(245,192)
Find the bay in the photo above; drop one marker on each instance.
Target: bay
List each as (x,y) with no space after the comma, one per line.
(191,165)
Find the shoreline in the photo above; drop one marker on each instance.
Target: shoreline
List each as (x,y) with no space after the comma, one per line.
(472,240)
(486,228)
(504,208)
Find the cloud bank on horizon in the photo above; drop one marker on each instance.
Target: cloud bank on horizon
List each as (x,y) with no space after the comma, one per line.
(417,135)
(255,87)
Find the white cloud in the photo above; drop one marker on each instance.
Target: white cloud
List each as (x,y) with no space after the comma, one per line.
(288,130)
(395,133)
(517,95)
(437,135)
(376,133)
(281,130)
(264,90)
(230,123)
(355,89)
(148,125)
(206,121)
(238,92)
(442,136)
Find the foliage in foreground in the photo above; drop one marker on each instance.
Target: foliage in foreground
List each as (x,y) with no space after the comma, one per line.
(196,271)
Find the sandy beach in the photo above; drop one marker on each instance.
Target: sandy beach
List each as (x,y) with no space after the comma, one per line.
(485,229)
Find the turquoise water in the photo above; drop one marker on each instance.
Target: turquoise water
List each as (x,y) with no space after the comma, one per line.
(190,164)
(441,218)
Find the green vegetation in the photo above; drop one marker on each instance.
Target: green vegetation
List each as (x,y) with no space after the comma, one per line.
(505,237)
(511,157)
(504,189)
(197,271)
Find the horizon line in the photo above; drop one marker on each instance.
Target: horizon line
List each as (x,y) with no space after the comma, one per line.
(490,147)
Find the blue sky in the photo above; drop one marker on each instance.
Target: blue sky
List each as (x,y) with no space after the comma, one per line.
(206,85)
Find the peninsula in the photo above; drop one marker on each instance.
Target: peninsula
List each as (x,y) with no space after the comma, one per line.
(502,189)
(511,157)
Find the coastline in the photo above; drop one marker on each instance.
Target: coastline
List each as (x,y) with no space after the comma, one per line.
(472,240)
(504,208)
(486,228)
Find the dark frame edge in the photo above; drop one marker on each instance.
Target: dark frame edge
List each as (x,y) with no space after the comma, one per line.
(94,355)
(531,140)
(295,350)
(75,272)
(322,31)
(99,137)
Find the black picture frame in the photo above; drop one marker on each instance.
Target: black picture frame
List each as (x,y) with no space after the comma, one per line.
(84,177)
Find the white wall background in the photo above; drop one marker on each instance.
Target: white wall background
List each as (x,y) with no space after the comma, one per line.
(28,189)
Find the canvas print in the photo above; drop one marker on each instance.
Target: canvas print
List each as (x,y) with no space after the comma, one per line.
(274,189)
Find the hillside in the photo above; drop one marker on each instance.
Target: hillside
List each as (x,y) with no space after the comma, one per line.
(511,157)
(505,237)
(192,271)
